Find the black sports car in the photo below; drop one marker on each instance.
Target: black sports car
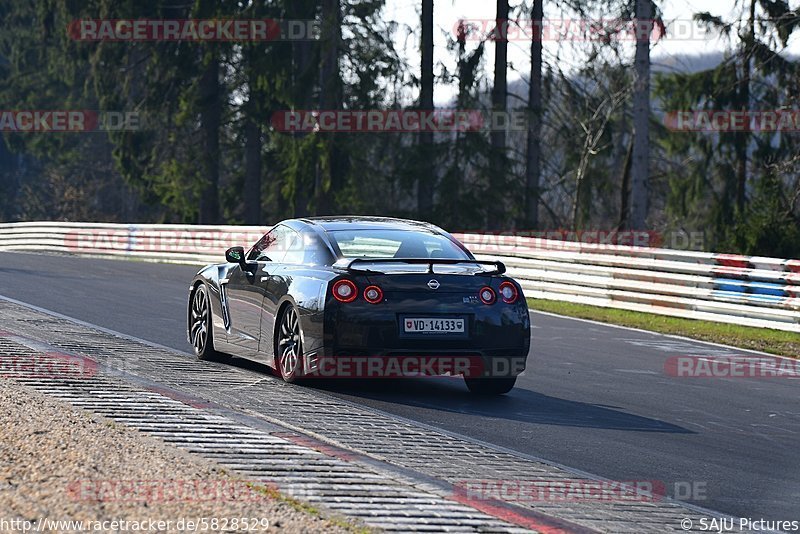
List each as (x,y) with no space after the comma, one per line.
(362,296)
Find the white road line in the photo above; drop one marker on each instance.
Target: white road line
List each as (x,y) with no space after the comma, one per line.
(673,336)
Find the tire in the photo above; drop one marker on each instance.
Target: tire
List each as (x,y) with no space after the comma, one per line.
(289,346)
(201,334)
(490,386)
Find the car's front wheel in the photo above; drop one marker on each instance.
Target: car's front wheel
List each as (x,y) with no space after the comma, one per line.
(201,333)
(289,353)
(491,386)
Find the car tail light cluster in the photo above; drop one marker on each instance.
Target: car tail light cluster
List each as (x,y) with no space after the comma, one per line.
(487,295)
(346,291)
(508,293)
(373,294)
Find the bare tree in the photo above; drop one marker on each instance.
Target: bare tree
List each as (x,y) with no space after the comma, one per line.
(253,144)
(743,138)
(210,120)
(329,98)
(593,129)
(533,150)
(426,178)
(640,156)
(498,167)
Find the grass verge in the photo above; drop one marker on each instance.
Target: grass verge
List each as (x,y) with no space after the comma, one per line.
(746,337)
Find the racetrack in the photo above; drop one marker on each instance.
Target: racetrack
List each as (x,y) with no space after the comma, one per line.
(594,397)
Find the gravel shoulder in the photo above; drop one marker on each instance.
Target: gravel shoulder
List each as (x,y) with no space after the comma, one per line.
(61,463)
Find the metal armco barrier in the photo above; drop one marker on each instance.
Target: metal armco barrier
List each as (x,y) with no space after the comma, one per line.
(746,290)
(172,243)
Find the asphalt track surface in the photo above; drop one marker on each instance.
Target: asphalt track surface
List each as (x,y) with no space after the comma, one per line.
(594,397)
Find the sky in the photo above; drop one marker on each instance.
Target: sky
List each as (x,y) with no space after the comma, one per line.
(677,14)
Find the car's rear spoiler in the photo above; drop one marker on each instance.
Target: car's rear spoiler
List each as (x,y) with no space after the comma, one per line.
(352,264)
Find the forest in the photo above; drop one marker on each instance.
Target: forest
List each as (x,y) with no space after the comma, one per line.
(190,130)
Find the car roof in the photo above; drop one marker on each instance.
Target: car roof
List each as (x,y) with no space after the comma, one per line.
(361,222)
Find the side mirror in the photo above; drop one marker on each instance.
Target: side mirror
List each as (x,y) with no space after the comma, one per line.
(235,255)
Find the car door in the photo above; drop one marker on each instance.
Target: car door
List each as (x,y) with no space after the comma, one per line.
(246,290)
(279,278)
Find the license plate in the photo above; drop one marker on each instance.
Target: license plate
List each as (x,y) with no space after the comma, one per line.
(432,325)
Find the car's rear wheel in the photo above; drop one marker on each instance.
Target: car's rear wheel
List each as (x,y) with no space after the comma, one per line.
(201,333)
(491,386)
(289,357)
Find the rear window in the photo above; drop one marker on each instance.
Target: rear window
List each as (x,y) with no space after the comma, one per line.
(383,244)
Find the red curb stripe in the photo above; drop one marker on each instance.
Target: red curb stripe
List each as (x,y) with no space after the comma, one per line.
(524,518)
(498,509)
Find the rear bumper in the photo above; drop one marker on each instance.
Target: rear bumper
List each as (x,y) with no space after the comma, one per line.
(496,343)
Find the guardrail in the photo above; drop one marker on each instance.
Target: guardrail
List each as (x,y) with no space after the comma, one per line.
(747,290)
(172,243)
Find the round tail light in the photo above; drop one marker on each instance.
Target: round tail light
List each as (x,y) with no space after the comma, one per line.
(487,295)
(508,292)
(345,291)
(373,294)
